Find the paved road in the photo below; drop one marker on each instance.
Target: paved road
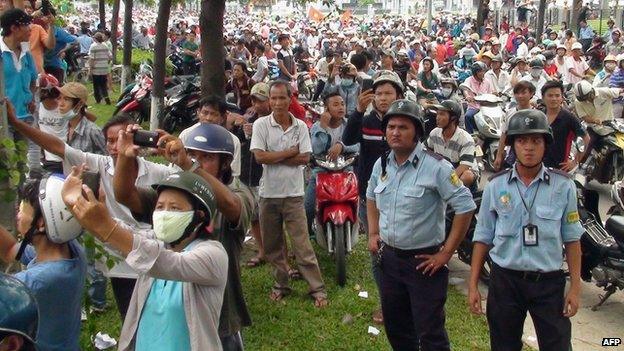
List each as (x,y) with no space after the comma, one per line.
(588,327)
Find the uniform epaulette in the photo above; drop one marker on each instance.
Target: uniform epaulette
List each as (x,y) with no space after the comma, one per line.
(499,173)
(560,172)
(434,155)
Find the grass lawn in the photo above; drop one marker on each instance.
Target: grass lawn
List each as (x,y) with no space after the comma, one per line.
(295,324)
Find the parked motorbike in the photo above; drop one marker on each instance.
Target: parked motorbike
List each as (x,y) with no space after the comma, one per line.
(606,160)
(180,109)
(603,247)
(336,225)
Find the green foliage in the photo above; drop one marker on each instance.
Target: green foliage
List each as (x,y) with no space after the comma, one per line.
(366,2)
(138,56)
(13,163)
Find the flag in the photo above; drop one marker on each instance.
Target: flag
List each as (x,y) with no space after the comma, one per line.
(346,16)
(315,15)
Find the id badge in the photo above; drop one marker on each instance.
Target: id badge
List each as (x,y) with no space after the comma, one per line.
(530,236)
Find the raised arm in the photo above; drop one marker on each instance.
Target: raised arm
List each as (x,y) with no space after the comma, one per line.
(46,141)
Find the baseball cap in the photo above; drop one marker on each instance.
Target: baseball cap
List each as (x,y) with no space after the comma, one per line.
(576,46)
(260,91)
(75,90)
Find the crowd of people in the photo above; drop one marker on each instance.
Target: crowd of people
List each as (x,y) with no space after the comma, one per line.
(177,230)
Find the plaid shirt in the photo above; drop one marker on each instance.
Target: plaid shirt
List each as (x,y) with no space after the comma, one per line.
(88,137)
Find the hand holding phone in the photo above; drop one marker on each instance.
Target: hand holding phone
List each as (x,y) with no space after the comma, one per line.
(92,180)
(367,84)
(145,138)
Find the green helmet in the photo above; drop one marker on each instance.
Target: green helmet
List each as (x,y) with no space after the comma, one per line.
(528,121)
(405,108)
(385,76)
(194,185)
(19,313)
(453,107)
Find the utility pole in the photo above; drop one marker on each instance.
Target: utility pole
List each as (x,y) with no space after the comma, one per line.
(429,15)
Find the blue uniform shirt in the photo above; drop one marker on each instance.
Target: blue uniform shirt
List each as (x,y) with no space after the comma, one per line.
(412,199)
(502,216)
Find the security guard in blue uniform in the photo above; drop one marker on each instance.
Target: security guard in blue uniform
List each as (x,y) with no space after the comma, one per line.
(406,200)
(528,214)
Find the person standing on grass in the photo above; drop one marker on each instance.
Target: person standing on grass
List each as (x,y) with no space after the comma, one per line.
(100,58)
(281,143)
(406,200)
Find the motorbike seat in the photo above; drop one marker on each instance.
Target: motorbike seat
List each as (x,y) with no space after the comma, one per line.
(615,227)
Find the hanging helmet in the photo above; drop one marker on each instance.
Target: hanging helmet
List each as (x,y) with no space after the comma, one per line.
(386,76)
(207,137)
(405,108)
(528,121)
(19,313)
(192,184)
(453,107)
(582,90)
(61,225)
(536,63)
(478,67)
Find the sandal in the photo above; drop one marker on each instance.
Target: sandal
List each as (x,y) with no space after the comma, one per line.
(294,274)
(255,262)
(276,295)
(320,301)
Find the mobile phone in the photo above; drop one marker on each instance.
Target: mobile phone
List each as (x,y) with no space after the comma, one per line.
(367,84)
(92,180)
(145,138)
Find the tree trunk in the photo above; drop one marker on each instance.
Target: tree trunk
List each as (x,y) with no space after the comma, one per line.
(212,50)
(483,10)
(102,10)
(576,9)
(127,44)
(539,28)
(115,29)
(160,49)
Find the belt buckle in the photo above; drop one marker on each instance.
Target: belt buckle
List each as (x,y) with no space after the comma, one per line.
(532,276)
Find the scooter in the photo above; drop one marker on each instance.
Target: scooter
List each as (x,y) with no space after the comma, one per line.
(488,121)
(606,160)
(603,247)
(336,225)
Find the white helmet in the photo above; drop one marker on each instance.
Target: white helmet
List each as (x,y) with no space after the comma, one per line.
(583,89)
(61,225)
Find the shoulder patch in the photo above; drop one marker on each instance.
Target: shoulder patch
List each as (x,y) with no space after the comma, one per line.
(559,172)
(434,155)
(500,173)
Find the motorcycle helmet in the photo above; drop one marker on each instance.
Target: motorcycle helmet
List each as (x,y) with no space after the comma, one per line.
(61,226)
(194,185)
(210,138)
(497,58)
(617,194)
(405,108)
(528,121)
(536,63)
(385,76)
(478,67)
(583,90)
(549,55)
(47,82)
(428,59)
(19,312)
(453,107)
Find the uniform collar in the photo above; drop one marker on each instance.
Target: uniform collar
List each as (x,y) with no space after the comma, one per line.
(416,155)
(542,175)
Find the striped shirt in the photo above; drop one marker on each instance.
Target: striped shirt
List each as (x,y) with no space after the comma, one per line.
(458,150)
(101,57)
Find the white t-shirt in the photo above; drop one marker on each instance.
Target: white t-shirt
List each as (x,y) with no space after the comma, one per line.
(263,66)
(278,180)
(579,66)
(51,122)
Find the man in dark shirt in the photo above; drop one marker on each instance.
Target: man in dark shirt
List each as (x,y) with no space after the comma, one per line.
(566,128)
(286,59)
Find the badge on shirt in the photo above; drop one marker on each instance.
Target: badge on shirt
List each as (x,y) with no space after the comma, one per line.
(572,217)
(455,179)
(529,235)
(505,199)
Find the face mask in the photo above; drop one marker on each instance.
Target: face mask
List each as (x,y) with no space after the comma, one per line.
(536,73)
(446,92)
(170,225)
(610,66)
(347,82)
(69,115)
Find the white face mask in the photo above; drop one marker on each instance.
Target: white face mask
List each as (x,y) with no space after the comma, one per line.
(536,73)
(170,225)
(69,115)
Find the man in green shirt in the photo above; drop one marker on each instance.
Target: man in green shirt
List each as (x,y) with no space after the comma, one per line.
(190,52)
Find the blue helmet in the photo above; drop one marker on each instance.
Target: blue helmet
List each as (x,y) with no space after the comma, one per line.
(211,138)
(19,313)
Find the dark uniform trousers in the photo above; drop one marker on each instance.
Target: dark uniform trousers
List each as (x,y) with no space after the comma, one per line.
(511,295)
(413,303)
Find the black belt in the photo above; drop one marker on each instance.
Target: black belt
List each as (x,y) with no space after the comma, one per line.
(411,253)
(531,275)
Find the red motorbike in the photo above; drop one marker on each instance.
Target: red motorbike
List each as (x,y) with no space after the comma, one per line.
(336,224)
